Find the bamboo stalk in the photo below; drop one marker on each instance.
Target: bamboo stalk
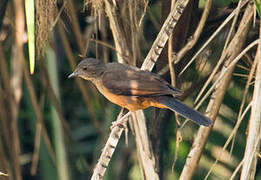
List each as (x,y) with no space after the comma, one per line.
(253,137)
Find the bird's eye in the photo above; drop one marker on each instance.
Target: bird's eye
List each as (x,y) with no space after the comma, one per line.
(85,68)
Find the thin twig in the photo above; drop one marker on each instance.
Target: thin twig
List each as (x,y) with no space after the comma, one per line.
(76,27)
(223,73)
(54,99)
(236,170)
(38,115)
(212,37)
(232,134)
(37,140)
(250,77)
(223,54)
(83,89)
(197,33)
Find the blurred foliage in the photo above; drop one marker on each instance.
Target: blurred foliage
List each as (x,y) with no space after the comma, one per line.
(84,147)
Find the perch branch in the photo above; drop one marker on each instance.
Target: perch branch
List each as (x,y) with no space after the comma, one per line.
(148,64)
(163,35)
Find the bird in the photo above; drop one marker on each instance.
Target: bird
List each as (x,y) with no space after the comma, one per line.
(135,89)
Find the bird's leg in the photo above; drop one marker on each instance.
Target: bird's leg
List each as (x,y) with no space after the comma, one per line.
(121,121)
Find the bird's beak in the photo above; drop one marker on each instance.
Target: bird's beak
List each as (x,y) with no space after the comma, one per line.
(74,74)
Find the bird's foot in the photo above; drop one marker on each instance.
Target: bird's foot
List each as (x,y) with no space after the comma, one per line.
(121,122)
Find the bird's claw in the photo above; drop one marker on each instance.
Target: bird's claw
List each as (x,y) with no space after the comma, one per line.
(120,124)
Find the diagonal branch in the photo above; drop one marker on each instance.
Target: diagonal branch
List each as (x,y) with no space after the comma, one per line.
(148,64)
(163,35)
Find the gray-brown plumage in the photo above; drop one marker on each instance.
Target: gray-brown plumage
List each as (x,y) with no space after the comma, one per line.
(134,89)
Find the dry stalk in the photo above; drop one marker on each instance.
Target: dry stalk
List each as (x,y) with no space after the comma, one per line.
(84,91)
(87,37)
(132,7)
(253,137)
(104,38)
(9,100)
(238,9)
(37,140)
(76,27)
(222,73)
(148,162)
(197,33)
(217,97)
(4,164)
(16,81)
(170,53)
(236,170)
(145,154)
(226,21)
(248,83)
(45,11)
(3,9)
(7,103)
(172,56)
(39,117)
(118,35)
(241,114)
(221,60)
(107,152)
(4,167)
(163,35)
(191,41)
(54,99)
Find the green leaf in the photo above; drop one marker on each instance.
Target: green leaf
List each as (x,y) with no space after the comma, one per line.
(258,7)
(29,12)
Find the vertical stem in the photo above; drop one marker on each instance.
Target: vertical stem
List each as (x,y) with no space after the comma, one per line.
(16,80)
(253,137)
(60,149)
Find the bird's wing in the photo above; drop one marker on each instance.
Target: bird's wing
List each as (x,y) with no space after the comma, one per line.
(124,80)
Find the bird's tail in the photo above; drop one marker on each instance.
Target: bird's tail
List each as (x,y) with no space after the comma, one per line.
(177,106)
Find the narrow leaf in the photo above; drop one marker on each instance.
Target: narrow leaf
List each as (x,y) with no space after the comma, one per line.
(258,7)
(29,12)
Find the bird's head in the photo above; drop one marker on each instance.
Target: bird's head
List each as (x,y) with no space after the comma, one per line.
(89,69)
